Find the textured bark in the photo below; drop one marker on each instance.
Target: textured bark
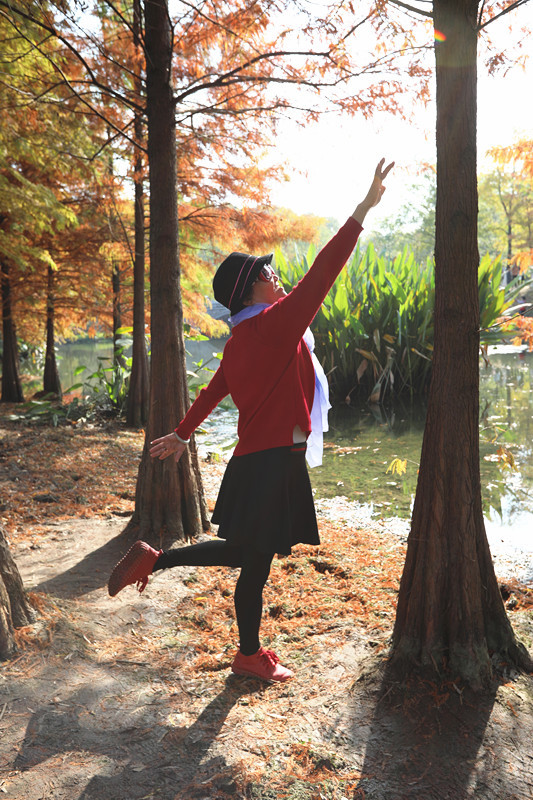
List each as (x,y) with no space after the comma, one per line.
(15,611)
(11,385)
(139,388)
(118,357)
(51,381)
(169,501)
(450,615)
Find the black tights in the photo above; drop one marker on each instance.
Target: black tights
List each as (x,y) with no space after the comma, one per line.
(255,568)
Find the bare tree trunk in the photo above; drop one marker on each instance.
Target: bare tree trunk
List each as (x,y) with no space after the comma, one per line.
(118,358)
(51,382)
(11,385)
(450,615)
(15,611)
(169,500)
(139,388)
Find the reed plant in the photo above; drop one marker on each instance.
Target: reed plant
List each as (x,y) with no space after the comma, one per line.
(374,331)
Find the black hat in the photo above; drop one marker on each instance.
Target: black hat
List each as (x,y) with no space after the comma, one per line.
(234,278)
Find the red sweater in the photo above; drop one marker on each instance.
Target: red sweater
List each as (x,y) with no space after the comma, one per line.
(266,367)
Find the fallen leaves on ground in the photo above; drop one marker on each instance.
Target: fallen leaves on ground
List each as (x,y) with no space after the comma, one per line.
(70,471)
(318,602)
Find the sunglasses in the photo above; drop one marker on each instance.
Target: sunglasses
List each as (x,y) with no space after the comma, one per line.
(267,274)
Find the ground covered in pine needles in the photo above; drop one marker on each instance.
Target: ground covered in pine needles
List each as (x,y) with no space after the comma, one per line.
(131,698)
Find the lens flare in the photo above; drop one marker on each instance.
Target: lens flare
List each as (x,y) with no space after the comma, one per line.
(439,36)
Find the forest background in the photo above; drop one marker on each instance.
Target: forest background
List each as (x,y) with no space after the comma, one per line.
(67,180)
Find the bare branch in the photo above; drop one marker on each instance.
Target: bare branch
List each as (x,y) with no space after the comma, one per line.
(232,78)
(480,15)
(415,10)
(354,27)
(224,79)
(512,7)
(123,226)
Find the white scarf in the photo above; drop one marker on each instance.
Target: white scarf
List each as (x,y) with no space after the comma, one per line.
(321,404)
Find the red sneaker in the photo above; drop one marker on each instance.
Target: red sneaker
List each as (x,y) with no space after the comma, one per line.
(135,567)
(264,665)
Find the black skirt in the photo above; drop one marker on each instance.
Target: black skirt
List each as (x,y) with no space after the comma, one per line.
(266,501)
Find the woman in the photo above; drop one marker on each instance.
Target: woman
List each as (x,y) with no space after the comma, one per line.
(265,503)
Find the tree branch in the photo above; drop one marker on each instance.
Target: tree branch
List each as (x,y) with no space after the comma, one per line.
(235,75)
(221,79)
(115,10)
(512,7)
(480,15)
(415,10)
(68,83)
(209,19)
(6,6)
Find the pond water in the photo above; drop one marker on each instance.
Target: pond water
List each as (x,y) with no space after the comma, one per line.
(89,352)
(362,442)
(70,356)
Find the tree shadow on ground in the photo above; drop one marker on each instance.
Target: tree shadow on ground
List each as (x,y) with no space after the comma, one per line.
(136,758)
(90,572)
(428,741)
(81,576)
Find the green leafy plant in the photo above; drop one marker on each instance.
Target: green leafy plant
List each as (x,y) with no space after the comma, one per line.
(201,374)
(374,332)
(107,387)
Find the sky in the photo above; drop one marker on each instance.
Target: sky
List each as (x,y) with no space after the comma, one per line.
(332,161)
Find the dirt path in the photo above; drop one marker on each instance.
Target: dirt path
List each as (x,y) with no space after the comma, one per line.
(110,709)
(131,698)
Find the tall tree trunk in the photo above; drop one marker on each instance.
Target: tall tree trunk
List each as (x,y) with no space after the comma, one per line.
(169,498)
(450,615)
(15,611)
(118,358)
(139,388)
(51,382)
(11,385)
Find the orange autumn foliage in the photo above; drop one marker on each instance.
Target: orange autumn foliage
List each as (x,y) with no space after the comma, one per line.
(525,332)
(237,67)
(518,158)
(234,67)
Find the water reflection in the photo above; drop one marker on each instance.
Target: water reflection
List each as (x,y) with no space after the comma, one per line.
(507,412)
(362,443)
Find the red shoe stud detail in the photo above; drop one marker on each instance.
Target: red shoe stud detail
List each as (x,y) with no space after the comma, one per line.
(134,568)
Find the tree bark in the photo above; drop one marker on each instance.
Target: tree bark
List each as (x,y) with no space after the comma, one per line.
(15,611)
(11,385)
(139,388)
(51,381)
(118,357)
(169,501)
(450,616)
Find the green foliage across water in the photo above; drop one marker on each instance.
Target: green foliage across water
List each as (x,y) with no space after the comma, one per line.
(374,331)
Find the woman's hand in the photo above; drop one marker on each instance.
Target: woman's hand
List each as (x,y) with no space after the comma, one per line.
(375,192)
(166,446)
